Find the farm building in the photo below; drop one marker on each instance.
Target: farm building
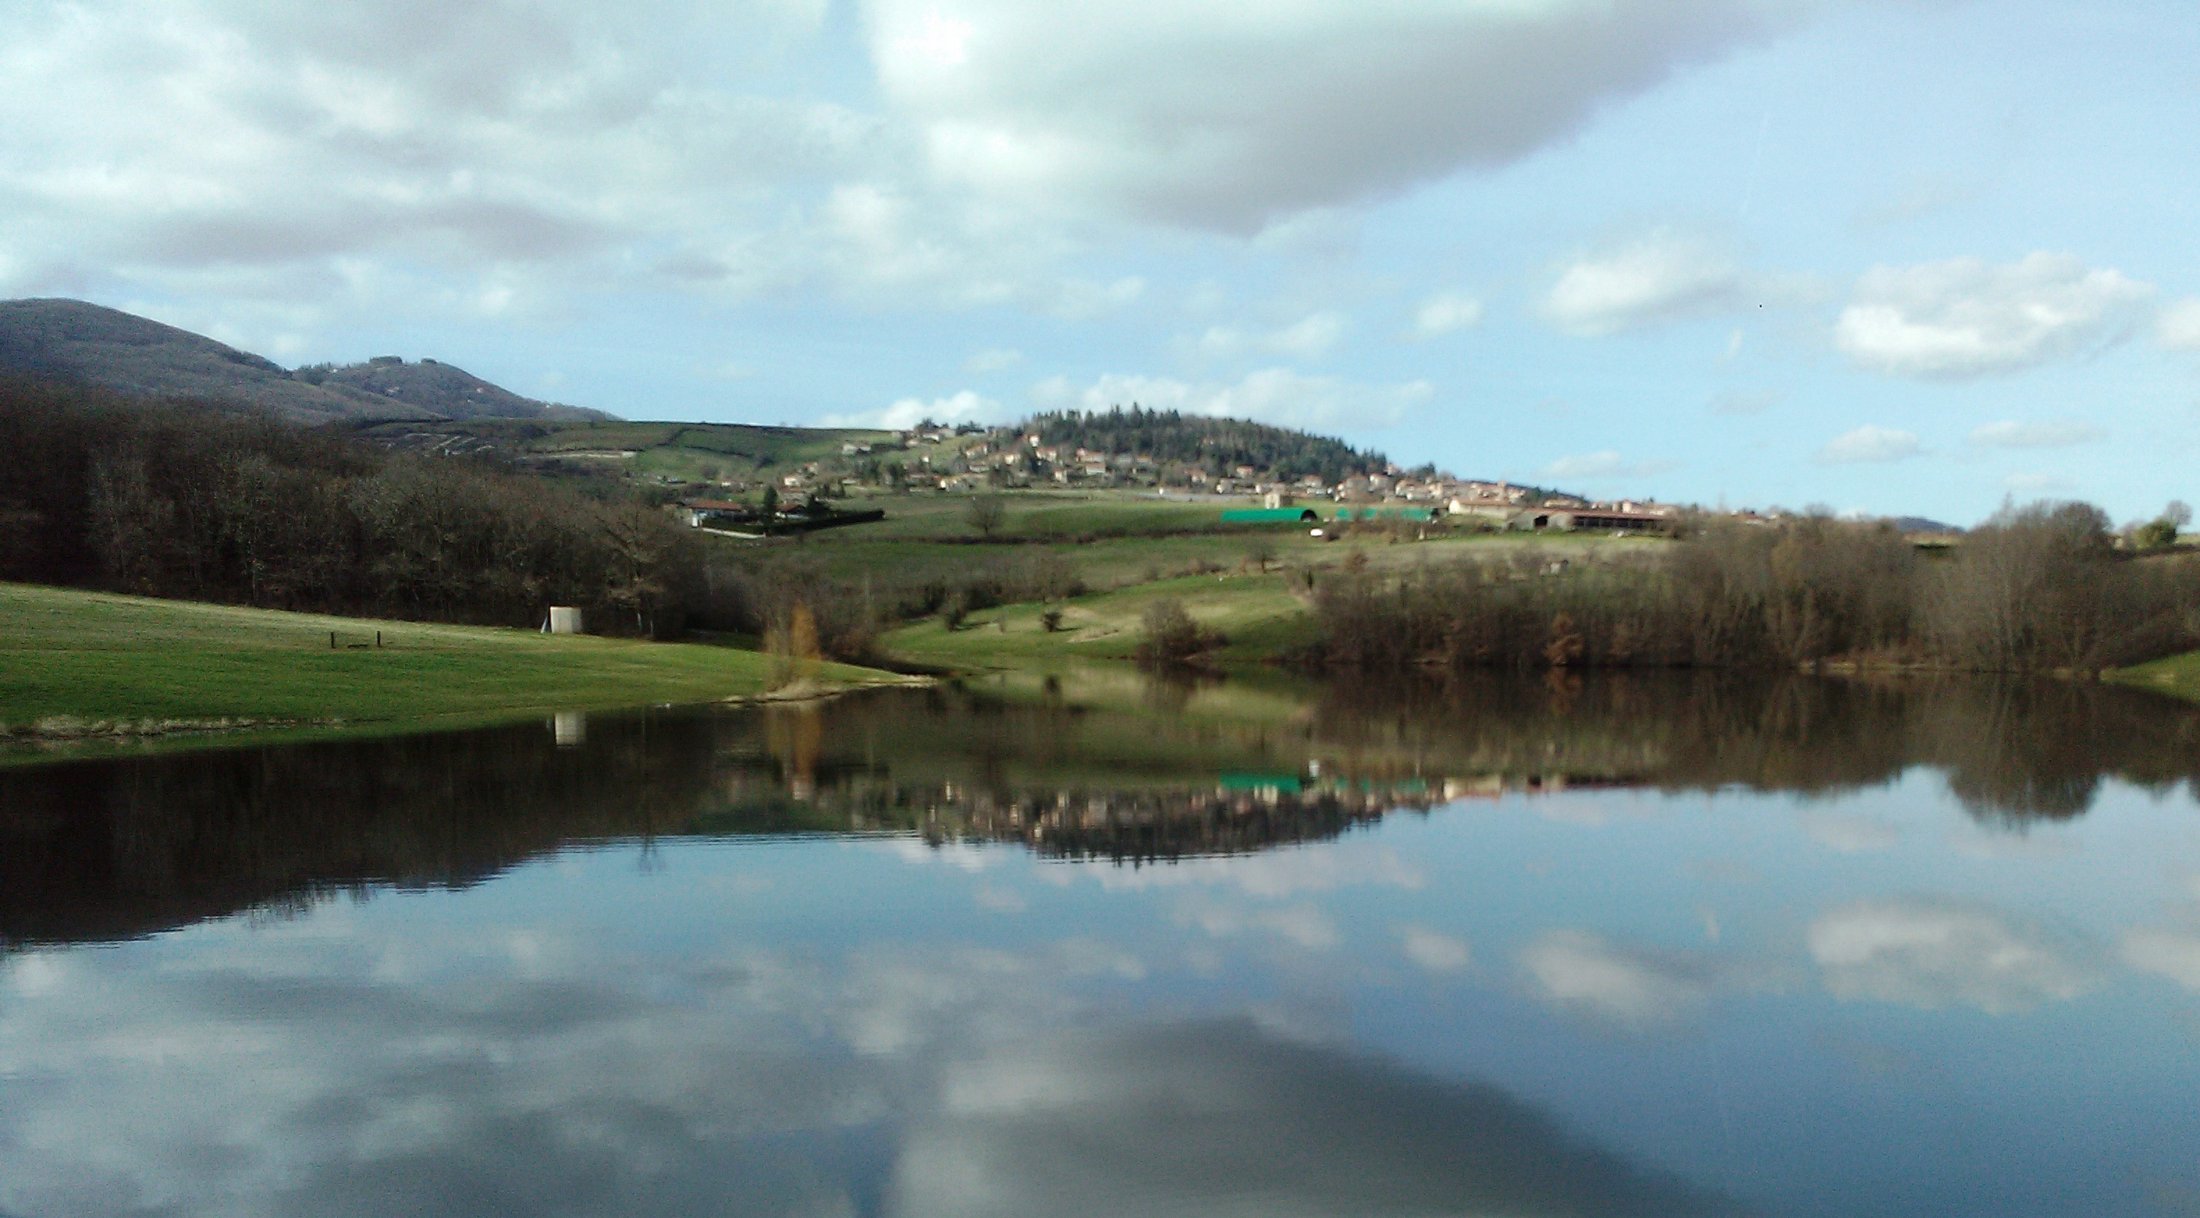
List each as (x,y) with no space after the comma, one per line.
(1588,519)
(1389,512)
(1275,515)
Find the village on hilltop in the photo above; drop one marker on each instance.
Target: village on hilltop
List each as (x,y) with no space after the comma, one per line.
(968,459)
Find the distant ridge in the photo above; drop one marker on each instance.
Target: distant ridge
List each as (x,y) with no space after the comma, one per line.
(444,389)
(1920,524)
(76,340)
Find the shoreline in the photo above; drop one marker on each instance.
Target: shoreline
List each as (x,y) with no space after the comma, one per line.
(82,671)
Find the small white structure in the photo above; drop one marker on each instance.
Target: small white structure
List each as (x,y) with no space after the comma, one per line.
(563,619)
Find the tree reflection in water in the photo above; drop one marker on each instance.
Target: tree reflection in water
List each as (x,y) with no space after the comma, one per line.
(113,849)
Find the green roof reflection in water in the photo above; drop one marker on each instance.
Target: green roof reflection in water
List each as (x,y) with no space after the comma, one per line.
(1263,782)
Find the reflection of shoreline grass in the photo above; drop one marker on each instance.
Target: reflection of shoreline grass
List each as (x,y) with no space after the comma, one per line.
(2178,676)
(92,664)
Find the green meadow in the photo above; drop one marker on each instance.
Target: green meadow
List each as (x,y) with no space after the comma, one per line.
(1116,539)
(1258,614)
(93,663)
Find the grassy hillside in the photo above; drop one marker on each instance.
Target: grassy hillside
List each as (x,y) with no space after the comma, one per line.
(649,453)
(1216,576)
(1257,612)
(1131,540)
(119,660)
(440,388)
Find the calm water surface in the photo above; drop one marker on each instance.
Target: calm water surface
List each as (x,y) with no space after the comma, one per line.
(1615,948)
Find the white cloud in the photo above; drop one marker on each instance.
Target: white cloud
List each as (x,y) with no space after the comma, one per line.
(151,142)
(1310,337)
(2011,434)
(1271,395)
(1869,443)
(884,242)
(1934,955)
(1080,299)
(2178,327)
(1658,278)
(1179,113)
(1629,986)
(963,406)
(1446,313)
(1205,297)
(993,359)
(499,132)
(1434,951)
(1744,401)
(1922,196)
(1603,465)
(1968,318)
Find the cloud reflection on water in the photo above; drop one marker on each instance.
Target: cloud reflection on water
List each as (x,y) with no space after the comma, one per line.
(520,1018)
(1219,1119)
(1634,988)
(956,1083)
(1934,954)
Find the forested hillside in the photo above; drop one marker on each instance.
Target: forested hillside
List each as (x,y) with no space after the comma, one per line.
(206,502)
(93,345)
(1217,445)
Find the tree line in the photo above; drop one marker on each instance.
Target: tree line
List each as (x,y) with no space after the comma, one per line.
(1216,445)
(2035,588)
(207,501)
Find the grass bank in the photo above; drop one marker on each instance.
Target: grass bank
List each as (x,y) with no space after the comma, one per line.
(1257,613)
(1217,575)
(83,663)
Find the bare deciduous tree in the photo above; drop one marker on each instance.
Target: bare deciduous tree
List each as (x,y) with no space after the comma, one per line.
(987,513)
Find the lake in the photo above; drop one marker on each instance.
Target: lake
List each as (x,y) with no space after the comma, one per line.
(1623,946)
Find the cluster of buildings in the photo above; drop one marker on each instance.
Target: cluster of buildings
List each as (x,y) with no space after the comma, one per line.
(1234,814)
(938,458)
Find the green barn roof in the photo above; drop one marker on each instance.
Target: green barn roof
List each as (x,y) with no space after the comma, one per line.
(1387,512)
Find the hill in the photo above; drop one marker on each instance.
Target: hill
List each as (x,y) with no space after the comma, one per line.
(703,458)
(1922,525)
(439,389)
(1215,446)
(74,340)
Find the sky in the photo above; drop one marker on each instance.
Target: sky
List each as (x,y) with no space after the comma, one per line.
(1883,256)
